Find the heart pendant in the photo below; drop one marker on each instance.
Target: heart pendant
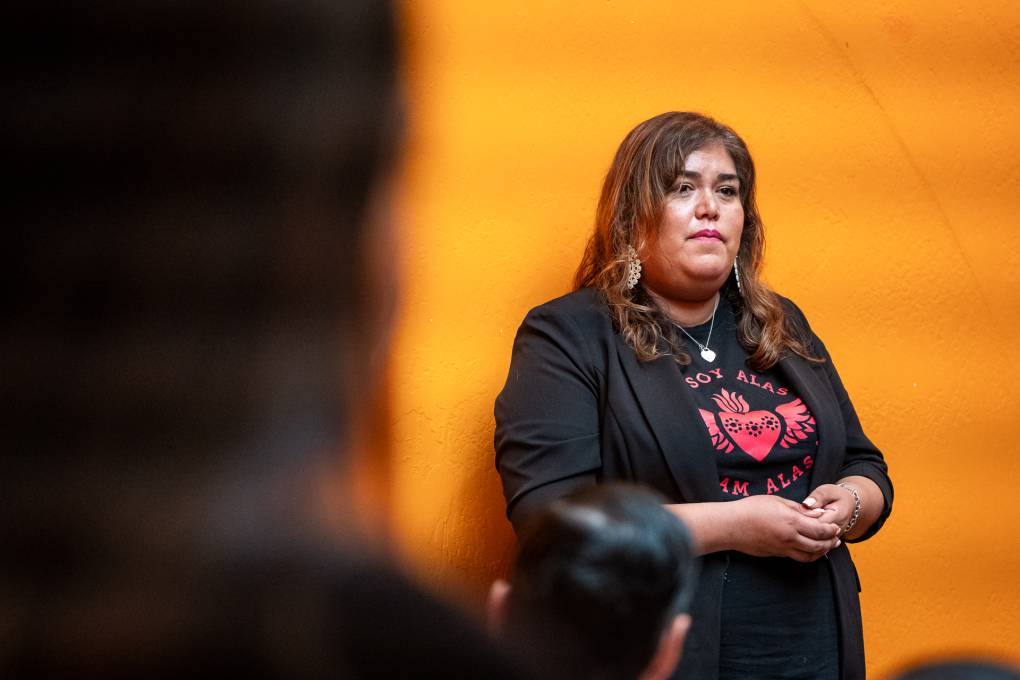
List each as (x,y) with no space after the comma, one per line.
(708,355)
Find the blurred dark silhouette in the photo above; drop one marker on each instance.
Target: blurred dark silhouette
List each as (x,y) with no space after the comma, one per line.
(197,290)
(601,588)
(960,669)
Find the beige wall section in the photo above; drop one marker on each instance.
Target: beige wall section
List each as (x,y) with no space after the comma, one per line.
(886,143)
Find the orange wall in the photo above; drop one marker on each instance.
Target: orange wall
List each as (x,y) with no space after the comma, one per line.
(885,138)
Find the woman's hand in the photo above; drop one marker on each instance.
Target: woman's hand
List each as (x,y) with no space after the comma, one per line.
(764,526)
(770,526)
(835,502)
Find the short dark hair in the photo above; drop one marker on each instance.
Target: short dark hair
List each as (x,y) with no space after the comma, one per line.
(598,577)
(189,198)
(183,279)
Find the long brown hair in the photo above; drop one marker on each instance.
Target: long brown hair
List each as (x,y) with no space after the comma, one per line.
(646,165)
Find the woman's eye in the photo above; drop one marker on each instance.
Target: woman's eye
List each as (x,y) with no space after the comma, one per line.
(684,189)
(729,192)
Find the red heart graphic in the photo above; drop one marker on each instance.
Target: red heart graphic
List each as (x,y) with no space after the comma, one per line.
(755,432)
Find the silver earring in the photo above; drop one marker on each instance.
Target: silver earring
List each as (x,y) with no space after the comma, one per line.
(633,268)
(736,273)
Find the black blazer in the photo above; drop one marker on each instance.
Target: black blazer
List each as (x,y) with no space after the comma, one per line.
(578,407)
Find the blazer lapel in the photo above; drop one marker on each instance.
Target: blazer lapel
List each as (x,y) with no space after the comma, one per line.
(810,387)
(655,383)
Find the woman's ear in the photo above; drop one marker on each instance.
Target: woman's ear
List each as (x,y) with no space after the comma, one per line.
(667,654)
(495,607)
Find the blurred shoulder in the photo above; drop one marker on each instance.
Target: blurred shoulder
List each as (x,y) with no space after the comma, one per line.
(391,627)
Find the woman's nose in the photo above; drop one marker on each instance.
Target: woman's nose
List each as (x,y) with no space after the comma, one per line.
(706,207)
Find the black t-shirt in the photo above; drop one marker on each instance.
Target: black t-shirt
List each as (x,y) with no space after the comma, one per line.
(778,615)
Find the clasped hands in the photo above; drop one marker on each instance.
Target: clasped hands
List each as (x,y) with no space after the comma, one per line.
(806,531)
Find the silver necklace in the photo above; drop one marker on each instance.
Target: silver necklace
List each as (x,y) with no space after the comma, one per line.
(706,354)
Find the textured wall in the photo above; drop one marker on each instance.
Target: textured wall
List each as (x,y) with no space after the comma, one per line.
(886,145)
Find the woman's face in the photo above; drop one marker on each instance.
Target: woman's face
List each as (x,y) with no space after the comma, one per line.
(693,252)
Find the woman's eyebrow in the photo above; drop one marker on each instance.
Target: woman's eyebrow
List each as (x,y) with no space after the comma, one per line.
(722,177)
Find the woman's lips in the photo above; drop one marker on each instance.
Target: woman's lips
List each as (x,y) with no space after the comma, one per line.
(708,233)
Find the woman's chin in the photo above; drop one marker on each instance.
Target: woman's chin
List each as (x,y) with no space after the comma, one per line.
(710,274)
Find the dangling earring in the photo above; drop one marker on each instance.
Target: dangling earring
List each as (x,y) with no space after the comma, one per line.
(736,273)
(633,268)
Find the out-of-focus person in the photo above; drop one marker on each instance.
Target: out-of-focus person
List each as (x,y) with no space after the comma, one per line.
(197,288)
(601,587)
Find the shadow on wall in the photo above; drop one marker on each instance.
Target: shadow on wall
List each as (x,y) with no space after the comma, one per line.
(478,541)
(483,534)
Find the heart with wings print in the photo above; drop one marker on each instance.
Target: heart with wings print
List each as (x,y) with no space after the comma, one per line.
(756,432)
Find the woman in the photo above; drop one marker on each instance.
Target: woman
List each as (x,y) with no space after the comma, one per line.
(673,365)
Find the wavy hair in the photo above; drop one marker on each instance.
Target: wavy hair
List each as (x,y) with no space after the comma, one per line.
(630,210)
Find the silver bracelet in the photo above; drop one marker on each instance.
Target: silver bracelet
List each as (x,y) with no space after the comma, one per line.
(857,509)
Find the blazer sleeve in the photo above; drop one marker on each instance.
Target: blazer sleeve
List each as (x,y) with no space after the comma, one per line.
(547,415)
(862,457)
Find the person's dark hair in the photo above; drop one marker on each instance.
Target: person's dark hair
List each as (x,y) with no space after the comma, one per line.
(598,578)
(184,311)
(960,669)
(629,212)
(189,200)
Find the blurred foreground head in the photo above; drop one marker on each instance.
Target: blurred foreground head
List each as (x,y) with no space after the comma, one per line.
(194,290)
(601,587)
(960,669)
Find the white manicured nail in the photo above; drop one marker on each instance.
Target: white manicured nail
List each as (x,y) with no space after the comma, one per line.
(809,501)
